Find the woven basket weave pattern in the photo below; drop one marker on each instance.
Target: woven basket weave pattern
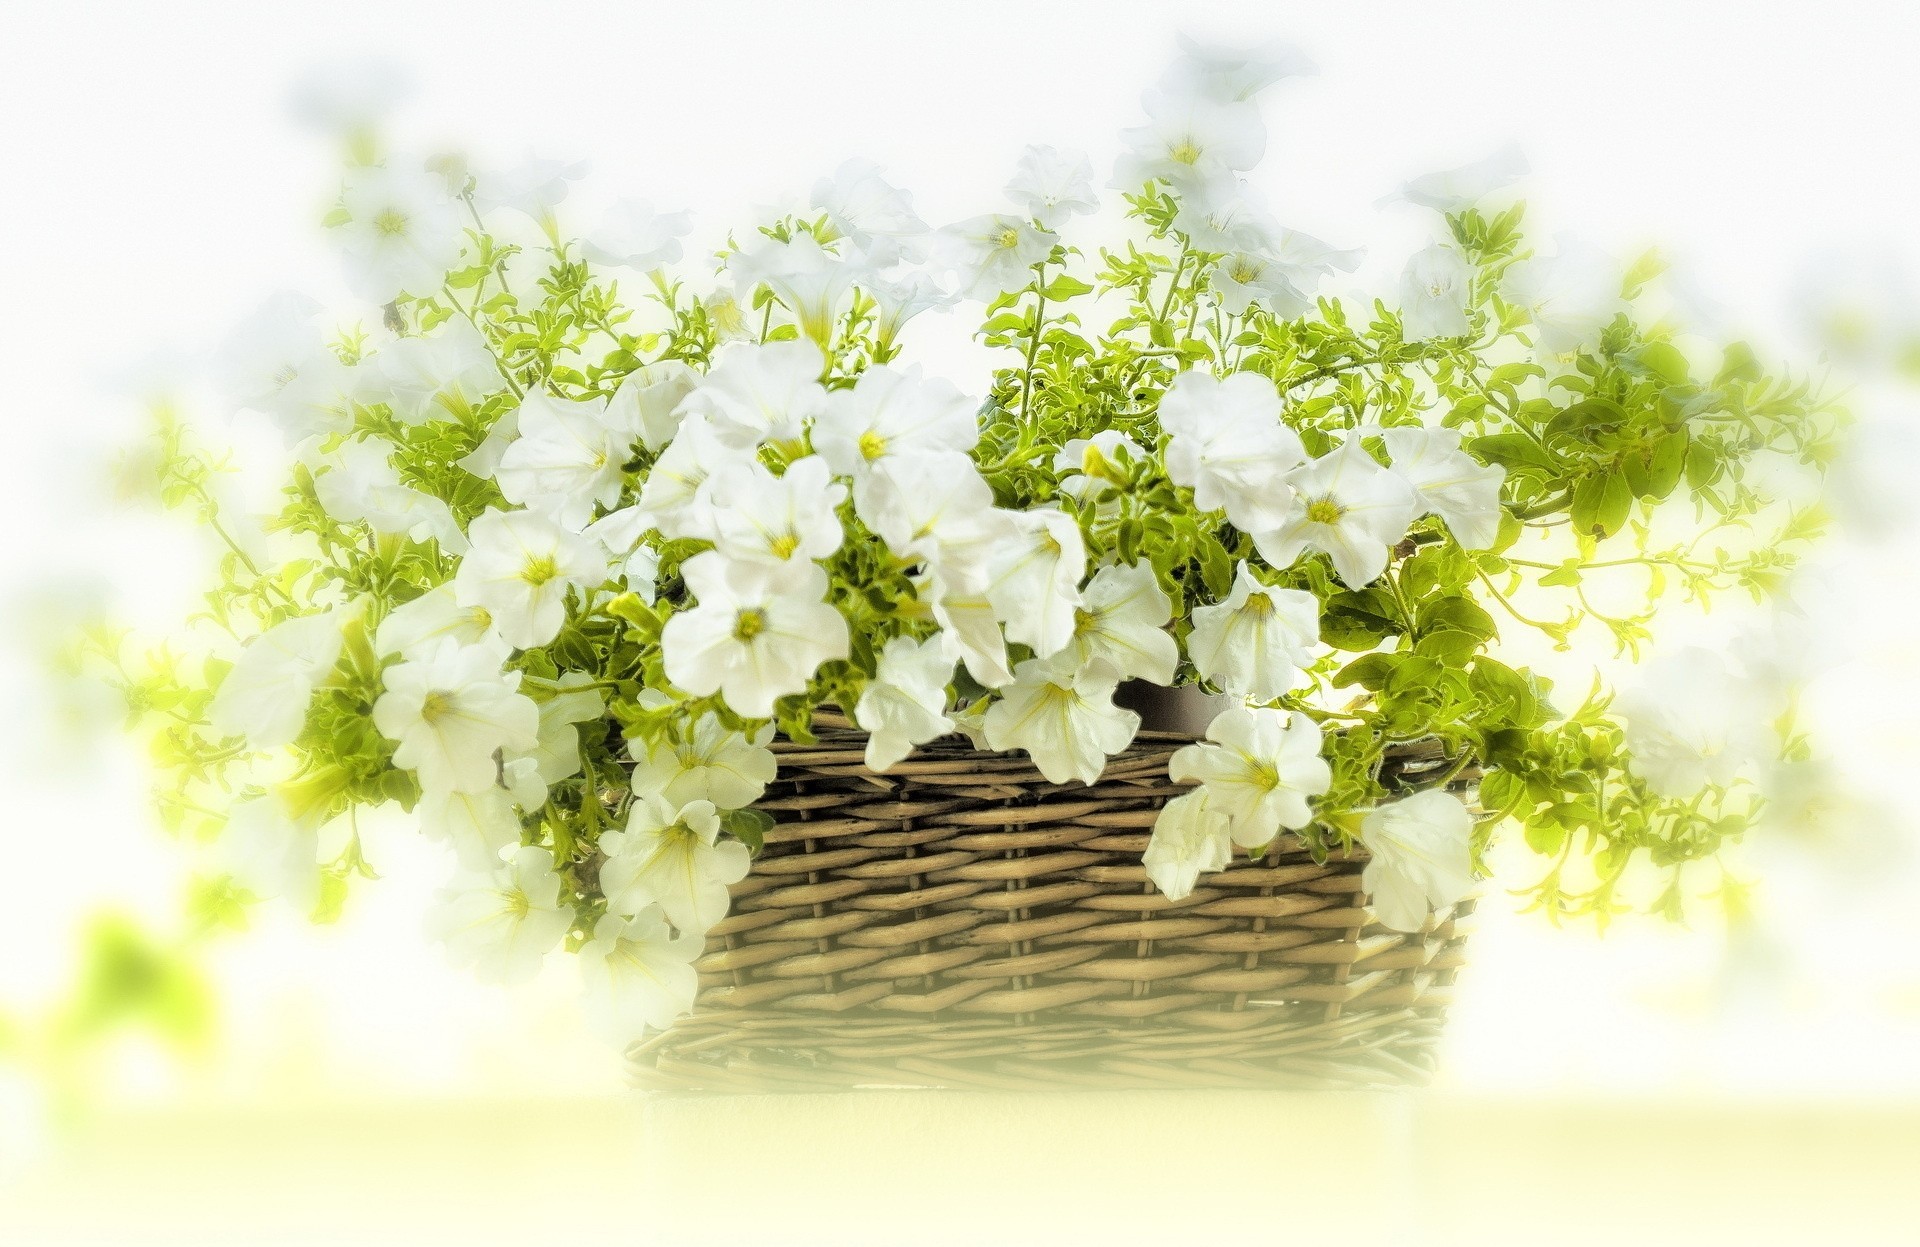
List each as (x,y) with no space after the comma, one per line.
(961,922)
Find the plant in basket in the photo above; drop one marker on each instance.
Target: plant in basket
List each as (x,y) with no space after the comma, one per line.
(1135,712)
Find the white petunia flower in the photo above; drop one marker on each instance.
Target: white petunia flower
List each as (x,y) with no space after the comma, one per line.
(1456,190)
(431,376)
(759,632)
(478,824)
(1422,857)
(568,457)
(502,923)
(1122,621)
(1259,770)
(359,483)
(277,363)
(1257,642)
(905,704)
(1691,723)
(636,975)
(1051,186)
(1089,467)
(1189,137)
(890,413)
(623,534)
(1346,505)
(1310,259)
(270,853)
(993,254)
(873,215)
(1190,838)
(1223,213)
(646,407)
(810,281)
(1570,297)
(632,235)
(1064,717)
(898,300)
(1229,446)
(412,628)
(678,491)
(1235,71)
(956,593)
(1243,279)
(1450,483)
(790,518)
(402,232)
(536,187)
(761,394)
(264,697)
(520,568)
(1433,294)
(704,762)
(933,505)
(556,753)
(673,857)
(451,710)
(1034,578)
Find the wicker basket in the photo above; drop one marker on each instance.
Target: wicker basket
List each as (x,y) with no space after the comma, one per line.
(961,922)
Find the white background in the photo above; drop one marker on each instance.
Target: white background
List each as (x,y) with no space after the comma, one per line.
(153,193)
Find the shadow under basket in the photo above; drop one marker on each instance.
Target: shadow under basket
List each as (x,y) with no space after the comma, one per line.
(960,922)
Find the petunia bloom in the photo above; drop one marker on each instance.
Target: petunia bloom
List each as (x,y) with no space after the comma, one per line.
(1259,767)
(1258,642)
(1422,857)
(758,633)
(1063,716)
(673,857)
(905,704)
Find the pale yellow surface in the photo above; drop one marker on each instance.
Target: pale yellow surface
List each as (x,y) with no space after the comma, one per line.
(982,1169)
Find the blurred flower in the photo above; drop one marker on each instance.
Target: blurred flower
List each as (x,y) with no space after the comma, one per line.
(357,483)
(1189,137)
(1421,857)
(632,235)
(1456,190)
(1236,70)
(1570,297)
(1433,294)
(444,373)
(1051,186)
(478,824)
(264,698)
(898,300)
(637,976)
(810,282)
(872,214)
(535,187)
(401,235)
(269,853)
(502,923)
(1691,723)
(993,254)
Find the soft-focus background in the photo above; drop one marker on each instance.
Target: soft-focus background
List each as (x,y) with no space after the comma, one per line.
(297,1085)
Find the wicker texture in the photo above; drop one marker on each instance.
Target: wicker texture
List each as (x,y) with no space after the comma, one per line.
(961,922)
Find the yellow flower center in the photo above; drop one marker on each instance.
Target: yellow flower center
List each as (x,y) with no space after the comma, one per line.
(1259,605)
(516,903)
(784,545)
(435,706)
(1324,511)
(1084,621)
(539,570)
(1008,238)
(1185,152)
(749,624)
(390,222)
(1244,271)
(872,445)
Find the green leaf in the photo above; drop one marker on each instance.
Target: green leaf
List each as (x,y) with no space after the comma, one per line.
(1063,287)
(1512,450)
(1601,503)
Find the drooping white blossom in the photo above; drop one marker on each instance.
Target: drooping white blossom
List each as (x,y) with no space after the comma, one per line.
(1570,297)
(555,754)
(569,456)
(502,923)
(790,518)
(1433,294)
(1690,723)
(905,704)
(1229,446)
(1422,857)
(450,711)
(1456,190)
(811,282)
(267,851)
(673,857)
(444,373)
(889,413)
(348,97)
(703,762)
(479,825)
(1122,621)
(1259,767)
(265,696)
(1190,838)
(1258,642)
(761,394)
(1189,136)
(1223,213)
(402,232)
(358,483)
(646,407)
(636,975)
(520,568)
(1034,576)
(413,627)
(993,254)
(758,633)
(1051,186)
(536,187)
(1063,716)
(1450,483)
(1347,506)
(631,234)
(872,214)
(898,299)
(277,363)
